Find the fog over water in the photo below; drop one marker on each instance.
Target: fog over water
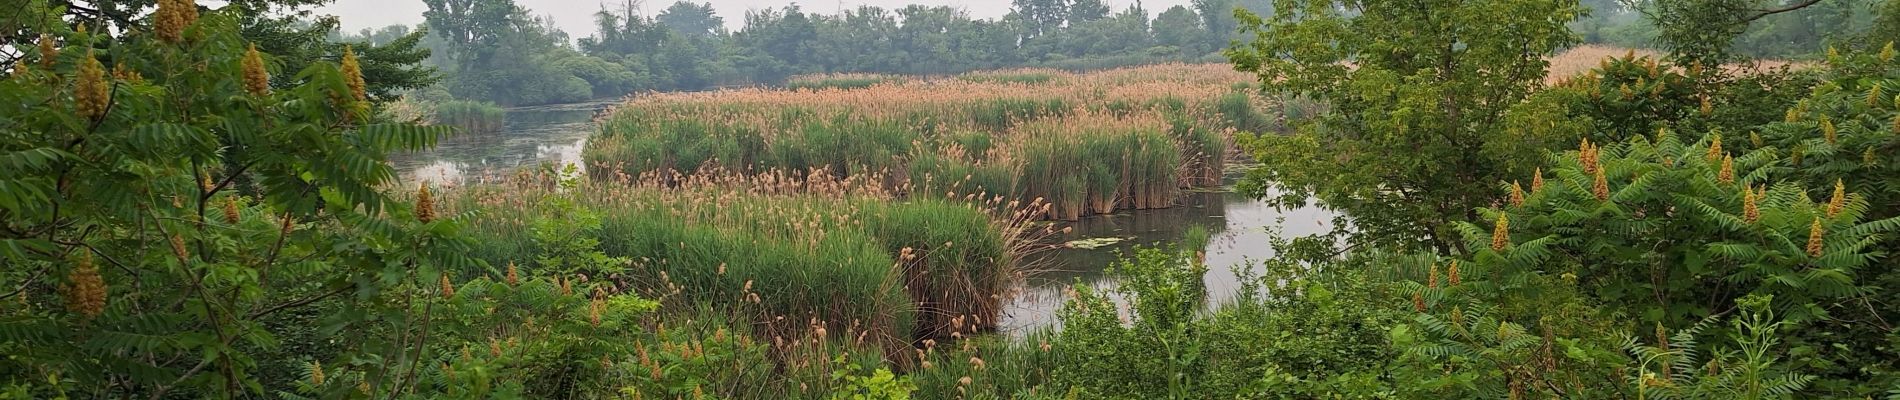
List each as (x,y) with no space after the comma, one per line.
(577,16)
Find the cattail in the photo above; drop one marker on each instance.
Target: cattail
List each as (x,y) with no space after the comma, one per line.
(178,249)
(49,55)
(448,288)
(256,78)
(353,75)
(91,93)
(425,205)
(316,373)
(1517,194)
(1715,148)
(1602,186)
(1827,129)
(1839,201)
(1501,234)
(1727,174)
(1814,238)
(1431,280)
(1537,180)
(231,210)
(172,17)
(1418,301)
(513,277)
(1750,212)
(87,293)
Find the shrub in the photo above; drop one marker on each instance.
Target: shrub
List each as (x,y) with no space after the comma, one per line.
(471,116)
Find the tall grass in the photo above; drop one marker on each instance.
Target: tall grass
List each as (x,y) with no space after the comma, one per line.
(840,81)
(1151,131)
(471,116)
(790,253)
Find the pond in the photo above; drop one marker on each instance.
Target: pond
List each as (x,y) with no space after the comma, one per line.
(1238,226)
(533,135)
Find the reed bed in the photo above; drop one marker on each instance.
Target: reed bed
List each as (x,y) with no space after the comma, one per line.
(792,253)
(840,81)
(1086,143)
(471,116)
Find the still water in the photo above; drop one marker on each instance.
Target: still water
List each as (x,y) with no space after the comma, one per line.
(1238,226)
(533,135)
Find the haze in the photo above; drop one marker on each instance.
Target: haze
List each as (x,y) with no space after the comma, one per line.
(577,16)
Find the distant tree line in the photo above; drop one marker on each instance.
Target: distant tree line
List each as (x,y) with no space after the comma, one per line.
(497,50)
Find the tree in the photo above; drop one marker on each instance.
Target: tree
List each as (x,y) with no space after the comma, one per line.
(1082,11)
(1180,27)
(693,20)
(1416,135)
(474,28)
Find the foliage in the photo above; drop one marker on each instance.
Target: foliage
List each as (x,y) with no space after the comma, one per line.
(1394,80)
(470,116)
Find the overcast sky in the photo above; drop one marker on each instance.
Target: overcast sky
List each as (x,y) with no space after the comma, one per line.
(577,16)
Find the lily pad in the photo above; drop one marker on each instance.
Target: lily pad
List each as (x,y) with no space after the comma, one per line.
(1095,243)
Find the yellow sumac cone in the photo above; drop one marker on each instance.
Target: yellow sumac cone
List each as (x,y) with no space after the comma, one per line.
(178,249)
(448,288)
(1501,233)
(316,373)
(256,78)
(1827,129)
(91,93)
(1451,274)
(1431,280)
(1839,201)
(1602,186)
(425,205)
(231,210)
(1867,158)
(1727,174)
(513,278)
(1750,211)
(172,17)
(87,294)
(353,75)
(1517,194)
(1873,96)
(1707,107)
(1814,238)
(1754,138)
(1537,180)
(1418,302)
(1886,52)
(1896,124)
(1715,148)
(49,55)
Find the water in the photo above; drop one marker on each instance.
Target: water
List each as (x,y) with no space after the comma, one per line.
(532,135)
(1238,228)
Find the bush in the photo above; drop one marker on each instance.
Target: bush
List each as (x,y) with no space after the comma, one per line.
(471,116)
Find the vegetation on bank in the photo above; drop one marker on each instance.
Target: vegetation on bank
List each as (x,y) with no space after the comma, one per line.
(1084,143)
(471,116)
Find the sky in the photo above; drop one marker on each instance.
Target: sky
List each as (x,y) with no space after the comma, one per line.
(577,16)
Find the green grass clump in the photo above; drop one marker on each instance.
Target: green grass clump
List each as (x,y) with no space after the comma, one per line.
(471,116)
(840,81)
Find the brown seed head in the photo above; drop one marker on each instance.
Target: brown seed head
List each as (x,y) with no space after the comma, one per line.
(178,249)
(316,373)
(172,17)
(86,293)
(513,278)
(448,288)
(1707,108)
(353,75)
(1451,274)
(231,210)
(1827,129)
(1601,188)
(1715,148)
(1418,302)
(1537,180)
(425,205)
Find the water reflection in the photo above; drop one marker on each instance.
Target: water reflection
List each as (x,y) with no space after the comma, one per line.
(531,136)
(1237,226)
